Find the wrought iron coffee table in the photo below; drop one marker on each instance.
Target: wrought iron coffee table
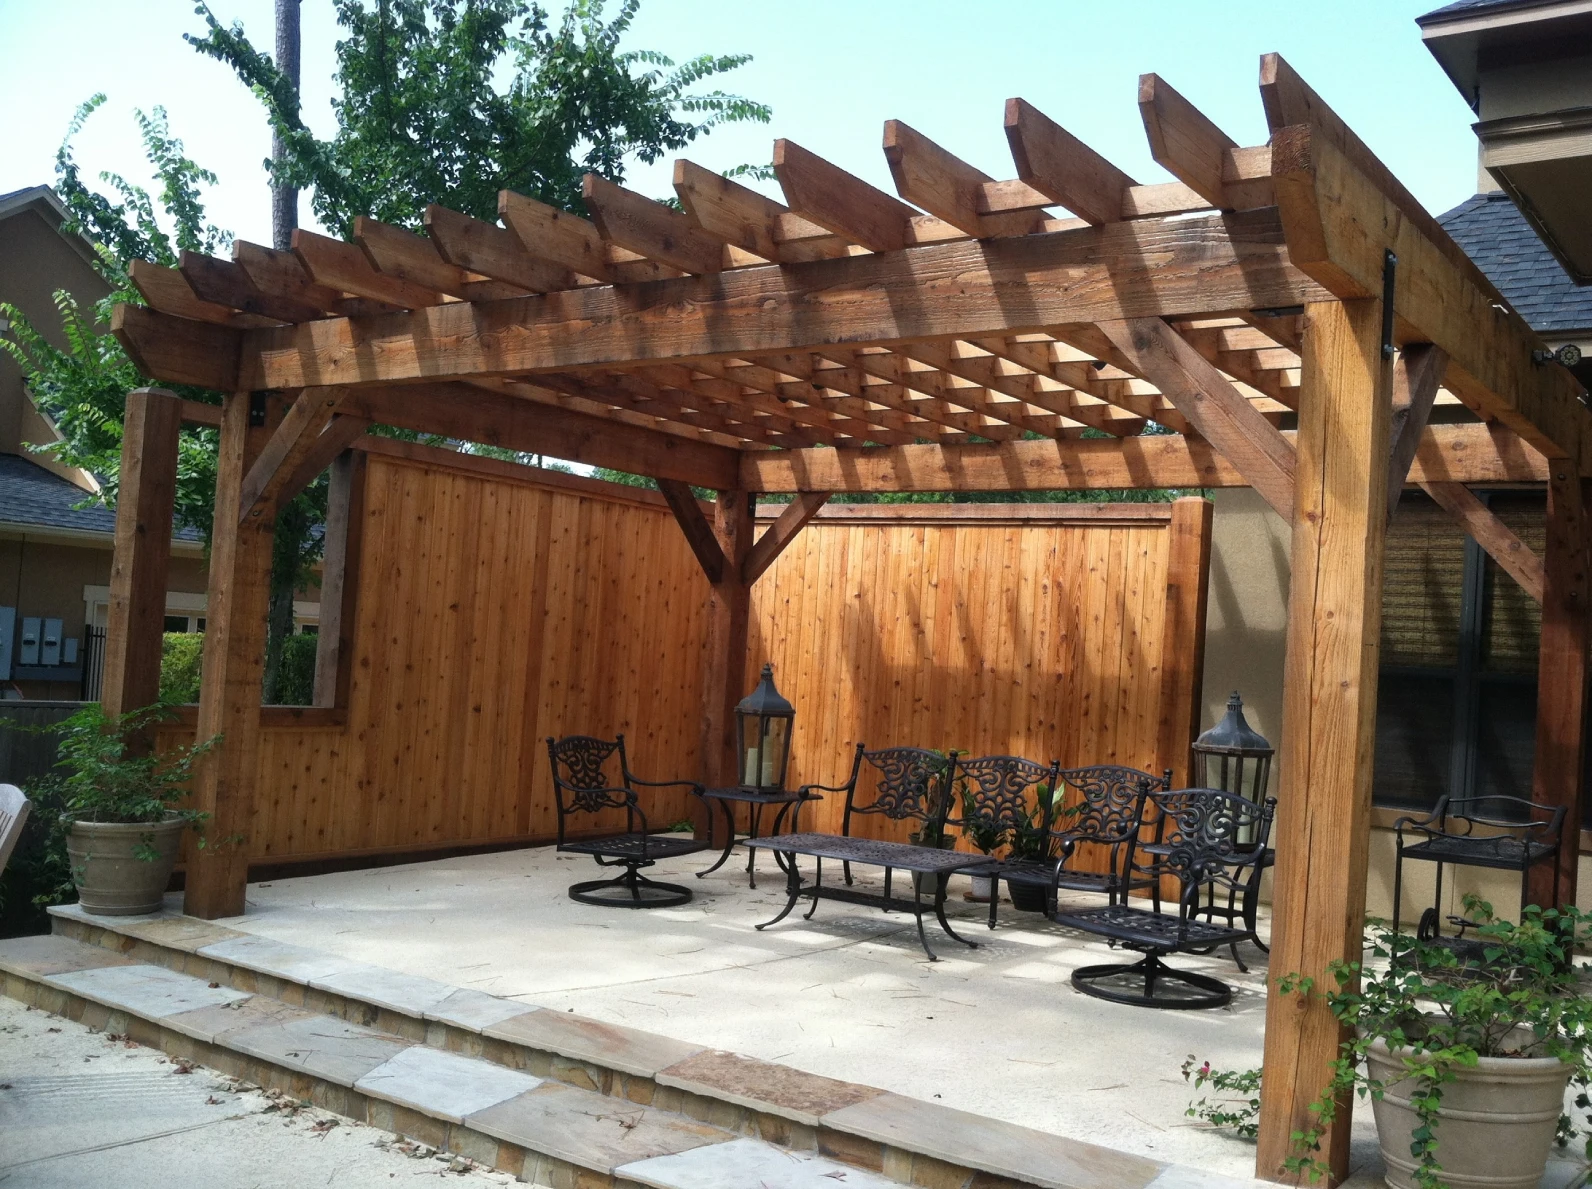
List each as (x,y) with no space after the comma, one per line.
(892,856)
(789,801)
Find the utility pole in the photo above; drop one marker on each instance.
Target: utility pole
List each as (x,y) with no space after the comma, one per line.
(284,199)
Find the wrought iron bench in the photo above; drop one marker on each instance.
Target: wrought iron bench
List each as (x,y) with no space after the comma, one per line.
(908,784)
(582,785)
(1109,812)
(1517,835)
(1207,838)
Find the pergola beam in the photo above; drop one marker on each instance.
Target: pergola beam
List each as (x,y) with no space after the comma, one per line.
(1215,409)
(1417,375)
(293,441)
(1340,227)
(497,419)
(1463,453)
(1499,541)
(958,289)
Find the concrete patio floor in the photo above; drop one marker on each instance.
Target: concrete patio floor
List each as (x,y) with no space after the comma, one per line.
(998,1030)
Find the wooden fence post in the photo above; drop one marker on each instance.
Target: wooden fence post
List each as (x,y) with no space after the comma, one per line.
(1188,566)
(234,662)
(1329,711)
(729,613)
(136,616)
(1558,772)
(345,519)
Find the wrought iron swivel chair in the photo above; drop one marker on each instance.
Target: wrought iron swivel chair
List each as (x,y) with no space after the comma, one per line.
(907,784)
(583,784)
(1207,837)
(1095,828)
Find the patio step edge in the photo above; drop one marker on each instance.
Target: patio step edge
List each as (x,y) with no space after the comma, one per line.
(863,1126)
(538,1130)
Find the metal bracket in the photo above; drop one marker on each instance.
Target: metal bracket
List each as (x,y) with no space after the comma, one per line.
(1390,268)
(256,409)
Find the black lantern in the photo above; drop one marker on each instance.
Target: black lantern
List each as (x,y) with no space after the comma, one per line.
(1233,756)
(762,735)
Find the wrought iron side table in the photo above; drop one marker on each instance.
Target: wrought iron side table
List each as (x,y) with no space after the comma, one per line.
(789,802)
(892,856)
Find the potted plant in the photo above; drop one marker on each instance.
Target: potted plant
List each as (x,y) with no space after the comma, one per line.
(123,821)
(1464,1047)
(984,834)
(1030,839)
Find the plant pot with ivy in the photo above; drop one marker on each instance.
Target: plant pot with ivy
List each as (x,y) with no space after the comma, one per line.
(1465,1053)
(1030,838)
(124,819)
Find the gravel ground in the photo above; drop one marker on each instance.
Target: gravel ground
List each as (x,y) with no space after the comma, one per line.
(80,1107)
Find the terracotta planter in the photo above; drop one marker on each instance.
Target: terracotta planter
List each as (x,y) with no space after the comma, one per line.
(111,879)
(1495,1126)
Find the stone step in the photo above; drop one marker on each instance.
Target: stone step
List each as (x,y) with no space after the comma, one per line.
(906,1140)
(540,1130)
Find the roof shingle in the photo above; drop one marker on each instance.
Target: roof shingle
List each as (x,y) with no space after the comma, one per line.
(31,495)
(1497,237)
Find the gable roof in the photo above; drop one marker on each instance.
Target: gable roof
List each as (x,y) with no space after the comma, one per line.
(50,207)
(1497,237)
(31,496)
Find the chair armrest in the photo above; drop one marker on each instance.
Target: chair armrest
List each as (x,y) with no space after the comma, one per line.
(828,788)
(693,785)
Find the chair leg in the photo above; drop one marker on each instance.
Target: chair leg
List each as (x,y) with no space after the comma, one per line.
(994,898)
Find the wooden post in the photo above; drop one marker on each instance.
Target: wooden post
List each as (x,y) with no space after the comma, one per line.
(345,520)
(1188,565)
(1558,772)
(729,613)
(229,695)
(1329,711)
(136,616)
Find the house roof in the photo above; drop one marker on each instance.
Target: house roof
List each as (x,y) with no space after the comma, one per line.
(1476,8)
(32,496)
(1497,237)
(49,205)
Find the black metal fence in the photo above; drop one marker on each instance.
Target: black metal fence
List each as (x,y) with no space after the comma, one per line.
(93,663)
(24,755)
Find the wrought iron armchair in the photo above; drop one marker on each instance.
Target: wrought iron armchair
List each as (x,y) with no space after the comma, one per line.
(1108,814)
(1516,835)
(582,785)
(909,783)
(1208,838)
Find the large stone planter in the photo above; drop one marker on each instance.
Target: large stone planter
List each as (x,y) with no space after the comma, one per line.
(1495,1126)
(111,879)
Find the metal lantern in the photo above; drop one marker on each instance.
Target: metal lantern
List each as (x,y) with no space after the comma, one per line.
(762,735)
(1233,756)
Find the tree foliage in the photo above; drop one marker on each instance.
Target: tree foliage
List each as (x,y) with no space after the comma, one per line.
(422,116)
(83,386)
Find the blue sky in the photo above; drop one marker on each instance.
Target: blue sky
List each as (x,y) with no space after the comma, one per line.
(833,70)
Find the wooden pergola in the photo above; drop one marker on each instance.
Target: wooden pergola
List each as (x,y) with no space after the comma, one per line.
(1288,311)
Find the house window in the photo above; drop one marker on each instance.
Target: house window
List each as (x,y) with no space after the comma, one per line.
(1457,698)
(176,623)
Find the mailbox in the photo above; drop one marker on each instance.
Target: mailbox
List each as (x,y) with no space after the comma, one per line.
(50,645)
(69,651)
(28,651)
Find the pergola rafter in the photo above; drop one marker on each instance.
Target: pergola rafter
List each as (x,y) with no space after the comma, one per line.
(968,333)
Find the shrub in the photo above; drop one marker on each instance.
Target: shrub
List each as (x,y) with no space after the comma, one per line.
(295,677)
(181,659)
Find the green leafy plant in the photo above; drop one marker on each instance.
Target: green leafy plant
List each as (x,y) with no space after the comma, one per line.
(1030,836)
(1236,1107)
(1514,993)
(181,662)
(983,832)
(102,778)
(450,101)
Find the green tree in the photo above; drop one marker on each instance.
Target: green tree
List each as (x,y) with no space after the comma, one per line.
(422,117)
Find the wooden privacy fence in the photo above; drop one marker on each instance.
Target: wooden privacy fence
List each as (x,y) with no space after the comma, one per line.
(499,605)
